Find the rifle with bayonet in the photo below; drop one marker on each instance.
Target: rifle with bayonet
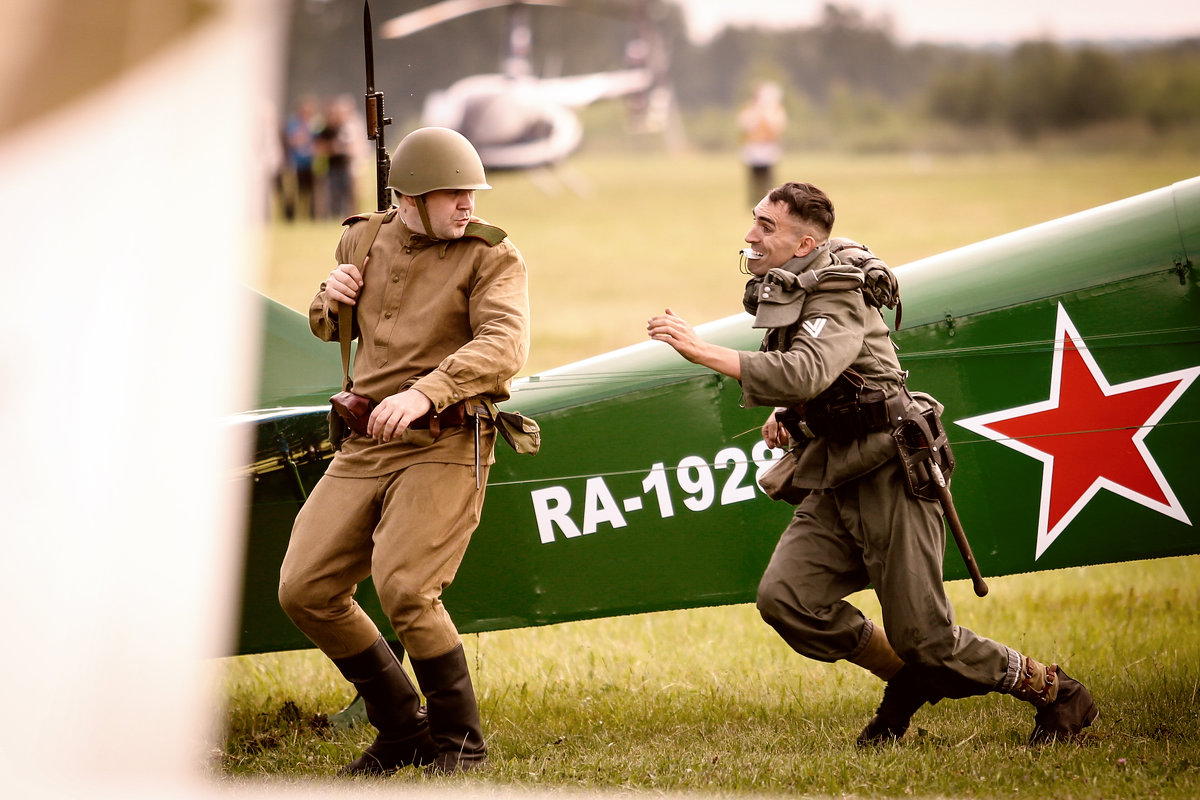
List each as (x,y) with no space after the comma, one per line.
(352,411)
(376,120)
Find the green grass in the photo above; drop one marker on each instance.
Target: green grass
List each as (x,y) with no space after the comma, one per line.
(710,700)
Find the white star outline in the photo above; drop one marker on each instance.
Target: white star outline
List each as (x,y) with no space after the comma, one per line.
(1046,535)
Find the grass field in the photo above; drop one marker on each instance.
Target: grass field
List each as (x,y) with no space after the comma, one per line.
(710,701)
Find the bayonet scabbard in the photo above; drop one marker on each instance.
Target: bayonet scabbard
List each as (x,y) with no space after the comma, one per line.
(478,482)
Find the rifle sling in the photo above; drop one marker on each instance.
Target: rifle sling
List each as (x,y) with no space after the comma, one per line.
(346,312)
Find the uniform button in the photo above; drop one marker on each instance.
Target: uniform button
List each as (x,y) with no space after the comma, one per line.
(408,249)
(395,279)
(387,315)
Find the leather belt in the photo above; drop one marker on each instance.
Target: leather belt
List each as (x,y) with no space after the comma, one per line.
(452,416)
(457,415)
(849,419)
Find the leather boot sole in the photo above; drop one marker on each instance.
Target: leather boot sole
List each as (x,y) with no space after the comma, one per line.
(386,757)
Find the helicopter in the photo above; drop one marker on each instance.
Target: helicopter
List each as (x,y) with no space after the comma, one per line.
(517,120)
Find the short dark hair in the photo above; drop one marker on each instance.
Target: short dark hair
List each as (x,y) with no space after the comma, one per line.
(807,203)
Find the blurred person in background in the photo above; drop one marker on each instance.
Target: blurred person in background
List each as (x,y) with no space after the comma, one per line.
(762,122)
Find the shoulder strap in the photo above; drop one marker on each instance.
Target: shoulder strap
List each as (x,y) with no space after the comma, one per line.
(488,233)
(345,312)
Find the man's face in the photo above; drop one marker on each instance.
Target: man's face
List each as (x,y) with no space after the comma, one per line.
(449,211)
(776,237)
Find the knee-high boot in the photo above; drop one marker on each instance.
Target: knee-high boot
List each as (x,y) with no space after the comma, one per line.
(393,707)
(453,711)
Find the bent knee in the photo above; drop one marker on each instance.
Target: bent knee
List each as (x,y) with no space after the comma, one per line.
(767,601)
(777,603)
(303,602)
(294,602)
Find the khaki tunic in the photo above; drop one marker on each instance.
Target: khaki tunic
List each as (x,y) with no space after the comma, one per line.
(450,319)
(859,527)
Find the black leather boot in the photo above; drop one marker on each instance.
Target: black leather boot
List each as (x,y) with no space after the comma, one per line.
(393,707)
(453,712)
(906,692)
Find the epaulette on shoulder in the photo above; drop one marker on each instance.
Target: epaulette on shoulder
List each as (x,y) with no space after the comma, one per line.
(488,233)
(366,215)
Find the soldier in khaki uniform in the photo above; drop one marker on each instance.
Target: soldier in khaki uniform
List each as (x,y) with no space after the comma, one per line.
(825,352)
(441,316)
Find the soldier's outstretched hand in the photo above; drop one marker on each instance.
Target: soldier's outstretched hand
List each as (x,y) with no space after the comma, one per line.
(673,329)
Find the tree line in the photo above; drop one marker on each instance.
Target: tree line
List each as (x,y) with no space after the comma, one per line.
(844,66)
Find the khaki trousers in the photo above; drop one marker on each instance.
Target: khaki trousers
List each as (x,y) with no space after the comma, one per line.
(871,532)
(408,530)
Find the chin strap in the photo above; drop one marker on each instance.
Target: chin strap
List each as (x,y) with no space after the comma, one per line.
(424,215)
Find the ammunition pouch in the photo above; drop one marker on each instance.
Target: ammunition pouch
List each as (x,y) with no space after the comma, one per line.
(778,480)
(921,443)
(353,409)
(349,412)
(847,410)
(518,431)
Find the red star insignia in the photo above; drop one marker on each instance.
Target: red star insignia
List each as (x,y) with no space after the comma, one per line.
(1089,435)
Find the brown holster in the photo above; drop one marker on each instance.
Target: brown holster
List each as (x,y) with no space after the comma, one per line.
(850,409)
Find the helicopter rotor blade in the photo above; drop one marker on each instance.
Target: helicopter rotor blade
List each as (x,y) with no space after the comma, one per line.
(427,17)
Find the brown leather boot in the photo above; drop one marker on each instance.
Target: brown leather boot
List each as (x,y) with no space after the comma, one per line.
(1064,705)
(453,712)
(906,692)
(393,707)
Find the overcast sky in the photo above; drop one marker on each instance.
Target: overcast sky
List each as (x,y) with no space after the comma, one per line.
(948,21)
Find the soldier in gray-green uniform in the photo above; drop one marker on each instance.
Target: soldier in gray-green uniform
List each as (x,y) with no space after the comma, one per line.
(828,367)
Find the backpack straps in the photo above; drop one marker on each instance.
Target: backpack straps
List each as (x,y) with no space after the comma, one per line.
(880,287)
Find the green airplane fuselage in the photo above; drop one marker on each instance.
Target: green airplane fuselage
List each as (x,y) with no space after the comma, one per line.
(1064,355)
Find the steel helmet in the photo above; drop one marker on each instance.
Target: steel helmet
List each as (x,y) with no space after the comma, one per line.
(429,159)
